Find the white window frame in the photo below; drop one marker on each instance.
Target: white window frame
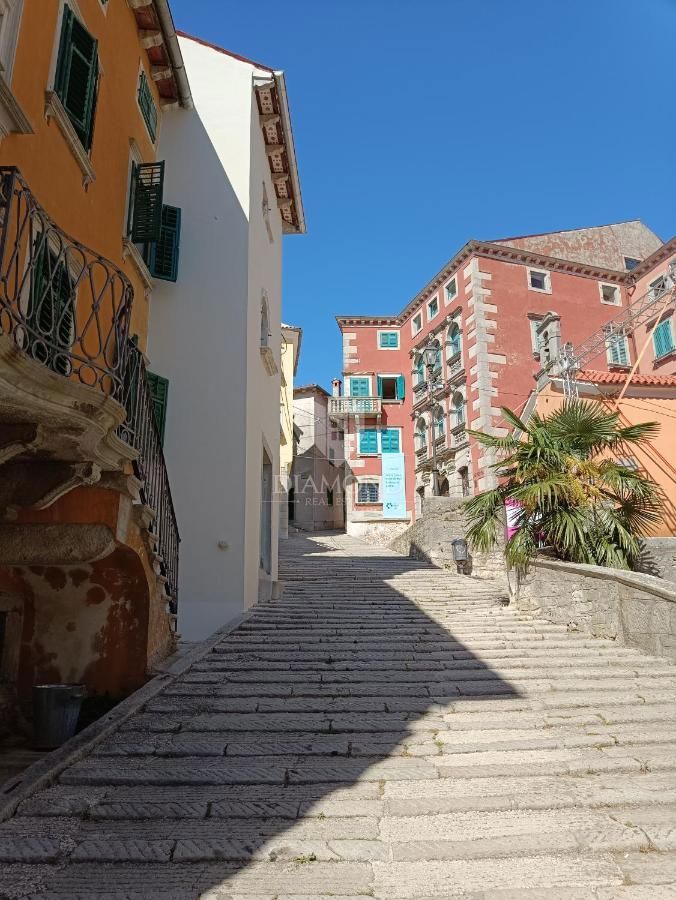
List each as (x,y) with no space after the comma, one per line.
(613,287)
(449,299)
(547,289)
(430,315)
(661,280)
(609,354)
(349,384)
(11,12)
(633,259)
(369,479)
(388,331)
(414,330)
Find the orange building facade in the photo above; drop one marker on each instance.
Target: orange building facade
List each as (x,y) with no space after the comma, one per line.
(88,538)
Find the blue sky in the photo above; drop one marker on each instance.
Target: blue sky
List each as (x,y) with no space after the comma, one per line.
(420,125)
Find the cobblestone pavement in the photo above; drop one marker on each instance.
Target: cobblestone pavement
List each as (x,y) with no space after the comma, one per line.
(384,730)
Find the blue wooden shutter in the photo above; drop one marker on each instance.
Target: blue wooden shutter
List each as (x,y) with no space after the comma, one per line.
(162,256)
(401,387)
(368,441)
(76,75)
(379,386)
(663,339)
(145,205)
(389,439)
(159,390)
(359,387)
(619,351)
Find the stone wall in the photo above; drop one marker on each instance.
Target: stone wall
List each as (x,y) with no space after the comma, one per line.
(430,538)
(633,609)
(659,558)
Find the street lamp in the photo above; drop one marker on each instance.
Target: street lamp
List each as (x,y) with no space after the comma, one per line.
(430,356)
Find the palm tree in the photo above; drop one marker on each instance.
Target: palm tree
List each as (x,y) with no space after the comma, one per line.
(570,492)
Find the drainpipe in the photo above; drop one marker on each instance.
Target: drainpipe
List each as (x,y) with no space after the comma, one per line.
(174,52)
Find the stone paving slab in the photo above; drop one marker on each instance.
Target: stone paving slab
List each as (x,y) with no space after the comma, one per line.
(386,729)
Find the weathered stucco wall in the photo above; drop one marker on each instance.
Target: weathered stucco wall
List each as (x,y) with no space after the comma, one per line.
(633,609)
(430,538)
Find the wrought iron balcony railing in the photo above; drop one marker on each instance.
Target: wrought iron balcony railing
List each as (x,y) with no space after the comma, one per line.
(141,432)
(355,406)
(64,305)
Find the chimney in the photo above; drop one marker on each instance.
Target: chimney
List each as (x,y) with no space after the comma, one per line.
(336,385)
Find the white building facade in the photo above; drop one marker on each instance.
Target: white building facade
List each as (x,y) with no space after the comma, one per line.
(215,330)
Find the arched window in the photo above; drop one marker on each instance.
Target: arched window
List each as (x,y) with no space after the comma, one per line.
(418,370)
(458,409)
(439,426)
(454,340)
(421,434)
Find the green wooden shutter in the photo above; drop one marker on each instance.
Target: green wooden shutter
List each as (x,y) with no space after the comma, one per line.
(147,106)
(159,390)
(76,75)
(401,387)
(379,386)
(359,387)
(663,339)
(162,256)
(618,350)
(145,203)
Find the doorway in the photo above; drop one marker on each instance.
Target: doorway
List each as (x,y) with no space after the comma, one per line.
(266,514)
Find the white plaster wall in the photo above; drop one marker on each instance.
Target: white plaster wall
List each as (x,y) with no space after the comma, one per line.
(262,408)
(304,417)
(203,338)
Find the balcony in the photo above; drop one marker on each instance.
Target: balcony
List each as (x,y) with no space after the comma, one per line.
(343,407)
(460,438)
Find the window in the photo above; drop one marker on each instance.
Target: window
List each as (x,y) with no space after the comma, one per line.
(535,338)
(658,286)
(162,256)
(388,340)
(663,339)
(433,308)
(51,311)
(368,441)
(454,340)
(539,280)
(419,371)
(458,410)
(610,293)
(421,434)
(360,387)
(144,224)
(10,15)
(368,492)
(451,290)
(77,70)
(464,480)
(332,454)
(147,106)
(416,323)
(329,497)
(159,391)
(439,427)
(391,387)
(618,350)
(630,263)
(389,440)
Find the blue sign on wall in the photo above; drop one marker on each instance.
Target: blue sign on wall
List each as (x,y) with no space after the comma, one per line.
(394,486)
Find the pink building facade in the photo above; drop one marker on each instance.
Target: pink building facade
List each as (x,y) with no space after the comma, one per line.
(483,309)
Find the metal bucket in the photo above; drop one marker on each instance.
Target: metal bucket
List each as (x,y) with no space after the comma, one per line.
(56,709)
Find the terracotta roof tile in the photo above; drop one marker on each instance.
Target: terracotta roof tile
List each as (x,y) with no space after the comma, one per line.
(596,377)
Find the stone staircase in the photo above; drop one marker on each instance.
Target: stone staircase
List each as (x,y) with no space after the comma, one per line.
(385,729)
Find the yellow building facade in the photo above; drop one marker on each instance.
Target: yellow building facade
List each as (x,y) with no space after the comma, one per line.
(291,341)
(88,539)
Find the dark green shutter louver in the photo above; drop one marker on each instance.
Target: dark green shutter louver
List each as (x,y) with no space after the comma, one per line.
(159,390)
(147,105)
(76,75)
(145,204)
(162,256)
(51,310)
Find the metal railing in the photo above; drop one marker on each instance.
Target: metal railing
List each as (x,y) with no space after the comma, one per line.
(140,431)
(65,306)
(351,406)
